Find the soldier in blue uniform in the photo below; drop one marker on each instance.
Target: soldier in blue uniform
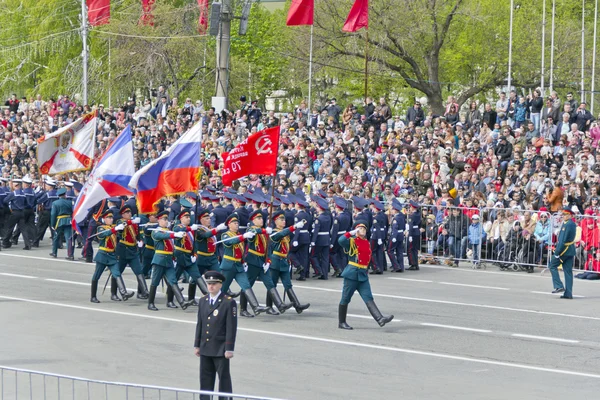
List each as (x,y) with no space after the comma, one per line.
(286,205)
(413,224)
(395,247)
(378,236)
(299,254)
(28,229)
(320,239)
(106,257)
(355,275)
(242,212)
(362,212)
(228,206)
(151,222)
(60,219)
(564,255)
(93,218)
(174,207)
(4,210)
(44,200)
(341,224)
(127,249)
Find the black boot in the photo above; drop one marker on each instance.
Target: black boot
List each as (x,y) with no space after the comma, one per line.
(381,320)
(192,294)
(113,289)
(142,292)
(342,312)
(94,299)
(281,306)
(202,285)
(232,294)
(170,297)
(124,293)
(257,308)
(151,297)
(271,310)
(244,307)
(295,302)
(184,304)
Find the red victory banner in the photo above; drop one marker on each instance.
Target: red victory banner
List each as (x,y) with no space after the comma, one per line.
(255,155)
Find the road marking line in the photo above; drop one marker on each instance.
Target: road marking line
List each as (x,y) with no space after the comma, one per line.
(70,282)
(555,294)
(473,286)
(18,275)
(332,341)
(411,280)
(459,328)
(552,339)
(457,303)
(44,258)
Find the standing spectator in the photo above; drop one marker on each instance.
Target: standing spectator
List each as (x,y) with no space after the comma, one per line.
(536,103)
(583,118)
(415,114)
(475,237)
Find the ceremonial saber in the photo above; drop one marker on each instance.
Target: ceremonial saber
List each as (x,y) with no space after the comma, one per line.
(141,226)
(106,284)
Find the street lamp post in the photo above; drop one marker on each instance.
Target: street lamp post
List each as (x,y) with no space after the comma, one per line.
(509,79)
(543,45)
(551,85)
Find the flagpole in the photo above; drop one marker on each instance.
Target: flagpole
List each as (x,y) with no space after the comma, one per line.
(310,58)
(366,62)
(84,53)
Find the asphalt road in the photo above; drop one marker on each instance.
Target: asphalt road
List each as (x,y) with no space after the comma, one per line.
(458,334)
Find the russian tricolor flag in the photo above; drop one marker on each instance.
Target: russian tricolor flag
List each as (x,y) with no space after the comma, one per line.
(109,177)
(175,172)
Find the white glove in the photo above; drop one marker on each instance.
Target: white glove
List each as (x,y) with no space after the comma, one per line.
(119,227)
(194,258)
(266,267)
(194,227)
(140,243)
(299,224)
(179,234)
(295,243)
(354,232)
(410,239)
(312,244)
(269,230)
(331,246)
(379,242)
(406,227)
(136,220)
(249,235)
(245,267)
(221,227)
(394,240)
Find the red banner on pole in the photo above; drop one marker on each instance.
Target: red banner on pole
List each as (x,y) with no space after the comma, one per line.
(203,19)
(147,18)
(358,17)
(98,12)
(255,155)
(301,12)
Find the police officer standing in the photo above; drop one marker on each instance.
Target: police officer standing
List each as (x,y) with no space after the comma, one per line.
(44,201)
(299,254)
(395,247)
(216,331)
(320,240)
(378,236)
(413,224)
(342,222)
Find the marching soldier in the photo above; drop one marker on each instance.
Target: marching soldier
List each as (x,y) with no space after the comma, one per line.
(186,259)
(279,267)
(395,247)
(257,265)
(564,255)
(151,222)
(60,219)
(355,275)
(28,230)
(205,247)
(106,257)
(413,229)
(299,254)
(162,263)
(44,201)
(378,235)
(232,267)
(341,224)
(320,238)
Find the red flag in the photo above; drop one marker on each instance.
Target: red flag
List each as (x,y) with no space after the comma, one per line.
(301,12)
(147,18)
(358,16)
(203,19)
(98,12)
(255,155)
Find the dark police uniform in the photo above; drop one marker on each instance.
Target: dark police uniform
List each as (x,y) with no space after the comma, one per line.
(395,247)
(341,224)
(321,240)
(378,236)
(44,201)
(15,201)
(299,254)
(414,236)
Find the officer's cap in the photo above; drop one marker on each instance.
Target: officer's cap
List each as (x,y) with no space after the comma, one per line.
(378,205)
(214,277)
(162,214)
(27,180)
(414,204)
(254,214)
(69,184)
(50,182)
(125,209)
(340,202)
(185,203)
(108,214)
(184,213)
(321,202)
(360,223)
(285,200)
(232,218)
(17,181)
(277,214)
(322,193)
(203,212)
(61,192)
(77,186)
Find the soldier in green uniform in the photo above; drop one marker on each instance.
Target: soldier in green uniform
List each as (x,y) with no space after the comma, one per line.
(231,265)
(564,254)
(358,248)
(205,248)
(279,266)
(127,248)
(60,219)
(148,251)
(106,257)
(162,263)
(186,259)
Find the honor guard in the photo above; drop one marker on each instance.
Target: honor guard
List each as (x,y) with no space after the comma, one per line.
(299,254)
(94,219)
(279,266)
(413,229)
(358,248)
(127,249)
(106,256)
(395,246)
(342,223)
(320,240)
(60,219)
(378,236)
(286,205)
(205,247)
(186,259)
(162,263)
(44,201)
(564,255)
(257,265)
(232,263)
(174,207)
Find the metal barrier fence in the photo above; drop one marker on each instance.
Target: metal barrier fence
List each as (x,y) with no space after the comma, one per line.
(17,383)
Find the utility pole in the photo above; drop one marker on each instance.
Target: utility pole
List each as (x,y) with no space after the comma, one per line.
(543,45)
(510,32)
(223,45)
(84,53)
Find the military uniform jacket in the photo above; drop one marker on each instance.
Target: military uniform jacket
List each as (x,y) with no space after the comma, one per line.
(243,216)
(256,248)
(148,251)
(15,200)
(303,236)
(414,224)
(379,228)
(216,328)
(233,252)
(30,198)
(566,238)
(108,244)
(280,248)
(163,248)
(321,230)
(341,225)
(398,226)
(205,246)
(359,256)
(47,198)
(289,217)
(184,247)
(128,238)
(218,215)
(62,210)
(365,216)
